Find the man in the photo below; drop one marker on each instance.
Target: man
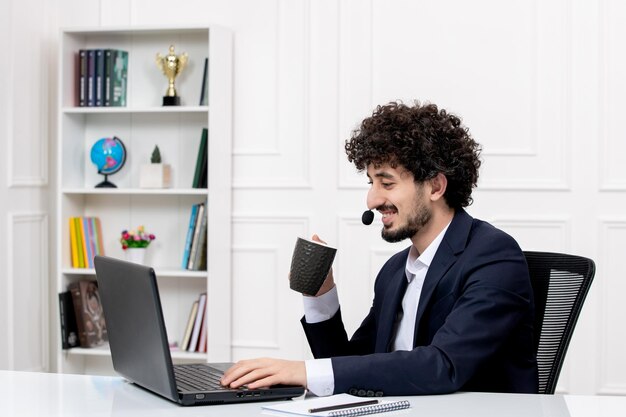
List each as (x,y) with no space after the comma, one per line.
(454,311)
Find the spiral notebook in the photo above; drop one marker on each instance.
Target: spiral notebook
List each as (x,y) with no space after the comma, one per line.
(308,407)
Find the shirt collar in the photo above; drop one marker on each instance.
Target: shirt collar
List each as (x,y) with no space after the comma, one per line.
(415,261)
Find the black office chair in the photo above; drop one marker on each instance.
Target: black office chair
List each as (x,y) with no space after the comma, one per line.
(560,284)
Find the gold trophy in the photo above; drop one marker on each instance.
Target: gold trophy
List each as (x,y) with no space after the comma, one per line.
(172,66)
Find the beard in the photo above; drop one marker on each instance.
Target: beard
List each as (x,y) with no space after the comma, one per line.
(417,220)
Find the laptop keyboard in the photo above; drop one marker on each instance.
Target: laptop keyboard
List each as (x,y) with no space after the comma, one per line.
(198,377)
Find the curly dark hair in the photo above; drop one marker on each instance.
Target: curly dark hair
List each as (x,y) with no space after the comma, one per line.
(423,139)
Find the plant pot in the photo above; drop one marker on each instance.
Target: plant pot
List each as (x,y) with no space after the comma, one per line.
(136,255)
(155,176)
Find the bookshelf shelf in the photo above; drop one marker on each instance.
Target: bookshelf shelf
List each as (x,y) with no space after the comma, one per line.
(105,351)
(138,30)
(94,351)
(177,354)
(136,191)
(161,273)
(132,110)
(177,131)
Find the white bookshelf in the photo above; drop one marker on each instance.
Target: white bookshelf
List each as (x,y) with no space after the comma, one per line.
(141,125)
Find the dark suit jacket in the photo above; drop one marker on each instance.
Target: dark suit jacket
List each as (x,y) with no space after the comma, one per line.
(474,327)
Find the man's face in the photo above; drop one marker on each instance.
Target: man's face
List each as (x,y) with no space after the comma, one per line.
(402,203)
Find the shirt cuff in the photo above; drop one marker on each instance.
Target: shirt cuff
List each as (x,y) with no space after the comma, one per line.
(322,308)
(320,379)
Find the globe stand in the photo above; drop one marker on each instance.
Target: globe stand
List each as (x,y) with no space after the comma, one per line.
(106,183)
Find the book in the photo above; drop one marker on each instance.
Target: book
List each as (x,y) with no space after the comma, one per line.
(201,256)
(73,244)
(89,248)
(190,322)
(82,78)
(91,77)
(82,242)
(190,230)
(196,236)
(88,311)
(91,238)
(204,92)
(99,86)
(200,159)
(108,72)
(202,340)
(119,78)
(336,406)
(195,333)
(69,331)
(196,262)
(99,238)
(79,244)
(203,181)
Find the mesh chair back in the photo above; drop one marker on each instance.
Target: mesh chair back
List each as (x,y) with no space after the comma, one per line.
(560,284)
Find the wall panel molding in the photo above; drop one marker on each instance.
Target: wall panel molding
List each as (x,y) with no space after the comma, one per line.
(243,254)
(293,70)
(261,260)
(540,159)
(355,99)
(28,254)
(27,164)
(611,372)
(556,55)
(612,156)
(548,234)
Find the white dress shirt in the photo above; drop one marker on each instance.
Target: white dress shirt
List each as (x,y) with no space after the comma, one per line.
(319,372)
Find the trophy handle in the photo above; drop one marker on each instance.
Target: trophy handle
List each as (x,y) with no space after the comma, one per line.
(182,62)
(159,61)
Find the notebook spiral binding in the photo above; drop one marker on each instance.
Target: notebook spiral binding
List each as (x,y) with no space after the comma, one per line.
(371,409)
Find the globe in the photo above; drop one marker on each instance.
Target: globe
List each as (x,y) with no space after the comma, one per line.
(109,155)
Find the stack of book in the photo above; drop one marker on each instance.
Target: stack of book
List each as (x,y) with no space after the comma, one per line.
(102,77)
(82,318)
(194,256)
(85,241)
(194,339)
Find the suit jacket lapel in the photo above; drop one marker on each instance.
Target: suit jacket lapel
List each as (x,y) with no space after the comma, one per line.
(391,306)
(453,243)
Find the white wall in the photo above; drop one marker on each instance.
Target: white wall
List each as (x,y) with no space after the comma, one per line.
(539,83)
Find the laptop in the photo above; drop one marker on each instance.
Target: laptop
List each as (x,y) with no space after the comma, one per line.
(139,344)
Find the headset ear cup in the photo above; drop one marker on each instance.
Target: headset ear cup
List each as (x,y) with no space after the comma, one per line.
(368,217)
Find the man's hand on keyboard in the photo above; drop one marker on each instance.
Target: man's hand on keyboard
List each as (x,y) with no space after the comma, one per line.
(264,372)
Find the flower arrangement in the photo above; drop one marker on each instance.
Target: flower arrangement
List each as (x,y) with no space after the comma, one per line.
(136,238)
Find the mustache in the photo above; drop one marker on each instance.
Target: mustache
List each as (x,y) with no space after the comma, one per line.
(386,207)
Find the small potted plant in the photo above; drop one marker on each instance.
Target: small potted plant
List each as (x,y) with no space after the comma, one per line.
(135,242)
(156,174)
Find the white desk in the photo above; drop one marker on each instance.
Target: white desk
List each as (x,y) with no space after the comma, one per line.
(40,394)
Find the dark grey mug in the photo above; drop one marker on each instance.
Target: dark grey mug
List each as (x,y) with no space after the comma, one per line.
(310,264)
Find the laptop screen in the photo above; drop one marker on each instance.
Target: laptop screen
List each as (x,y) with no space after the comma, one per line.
(137,334)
